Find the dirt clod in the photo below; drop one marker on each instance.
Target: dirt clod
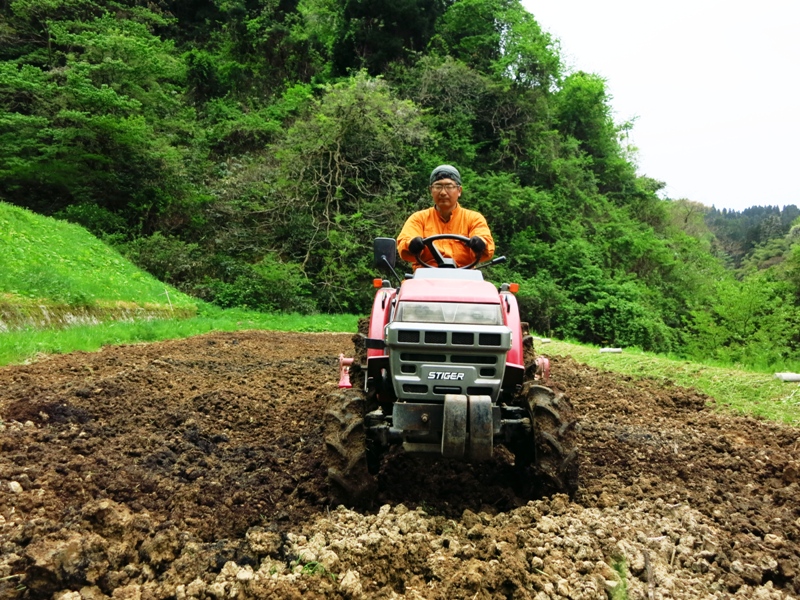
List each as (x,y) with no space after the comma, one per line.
(196,469)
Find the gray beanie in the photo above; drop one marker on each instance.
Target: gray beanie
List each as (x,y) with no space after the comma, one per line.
(445,172)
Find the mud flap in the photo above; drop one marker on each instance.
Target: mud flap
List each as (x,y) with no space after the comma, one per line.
(467,427)
(481,427)
(454,426)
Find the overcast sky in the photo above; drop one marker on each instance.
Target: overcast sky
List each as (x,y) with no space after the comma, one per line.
(714,87)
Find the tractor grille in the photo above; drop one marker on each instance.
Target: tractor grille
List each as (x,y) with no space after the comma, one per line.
(430,360)
(455,338)
(412,388)
(490,339)
(426,358)
(469,359)
(410,337)
(475,359)
(435,337)
(463,339)
(443,390)
(479,391)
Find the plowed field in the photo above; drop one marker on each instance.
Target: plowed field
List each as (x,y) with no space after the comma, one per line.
(194,469)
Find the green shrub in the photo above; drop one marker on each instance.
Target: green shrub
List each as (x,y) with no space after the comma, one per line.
(269,285)
(97,219)
(168,258)
(612,319)
(541,302)
(753,322)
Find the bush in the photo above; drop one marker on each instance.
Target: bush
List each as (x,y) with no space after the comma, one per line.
(97,219)
(169,259)
(753,322)
(541,302)
(612,319)
(267,286)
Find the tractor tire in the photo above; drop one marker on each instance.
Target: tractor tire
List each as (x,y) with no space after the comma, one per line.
(547,460)
(349,480)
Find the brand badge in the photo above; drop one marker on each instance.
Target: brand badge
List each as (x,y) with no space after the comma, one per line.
(445,375)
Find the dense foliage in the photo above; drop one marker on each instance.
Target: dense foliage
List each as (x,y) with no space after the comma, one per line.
(248,151)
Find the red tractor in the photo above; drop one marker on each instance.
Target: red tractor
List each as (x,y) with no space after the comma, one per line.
(442,369)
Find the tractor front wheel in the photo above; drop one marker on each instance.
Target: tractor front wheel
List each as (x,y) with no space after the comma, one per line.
(547,459)
(349,480)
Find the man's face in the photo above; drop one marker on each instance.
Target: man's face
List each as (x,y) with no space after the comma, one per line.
(445,193)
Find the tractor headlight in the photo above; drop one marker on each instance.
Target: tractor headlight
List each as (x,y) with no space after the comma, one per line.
(449,312)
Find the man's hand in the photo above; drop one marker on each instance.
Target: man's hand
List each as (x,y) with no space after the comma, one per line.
(476,244)
(416,246)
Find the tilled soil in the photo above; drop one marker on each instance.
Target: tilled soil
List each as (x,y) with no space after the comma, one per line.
(195,469)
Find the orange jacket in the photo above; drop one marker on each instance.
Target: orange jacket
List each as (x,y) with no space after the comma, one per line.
(425,223)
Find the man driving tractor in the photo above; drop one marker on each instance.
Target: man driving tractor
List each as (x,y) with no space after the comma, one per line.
(447,216)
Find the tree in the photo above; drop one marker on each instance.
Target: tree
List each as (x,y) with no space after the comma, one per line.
(374,33)
(583,112)
(501,38)
(339,177)
(101,129)
(752,323)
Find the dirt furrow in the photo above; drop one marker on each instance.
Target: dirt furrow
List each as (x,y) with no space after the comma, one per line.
(194,469)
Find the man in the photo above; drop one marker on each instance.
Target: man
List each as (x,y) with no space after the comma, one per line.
(446,216)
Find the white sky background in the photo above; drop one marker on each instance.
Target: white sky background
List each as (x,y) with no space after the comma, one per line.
(714,87)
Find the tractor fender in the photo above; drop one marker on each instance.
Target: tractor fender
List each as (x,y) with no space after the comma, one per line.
(512,321)
(379,317)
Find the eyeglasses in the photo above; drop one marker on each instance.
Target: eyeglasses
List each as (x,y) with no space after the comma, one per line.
(450,187)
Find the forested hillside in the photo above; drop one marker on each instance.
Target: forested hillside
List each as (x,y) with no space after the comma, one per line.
(248,151)
(740,234)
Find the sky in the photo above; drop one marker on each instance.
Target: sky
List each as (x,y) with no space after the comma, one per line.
(713,86)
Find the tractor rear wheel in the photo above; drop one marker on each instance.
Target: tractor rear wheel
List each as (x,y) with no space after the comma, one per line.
(547,459)
(349,480)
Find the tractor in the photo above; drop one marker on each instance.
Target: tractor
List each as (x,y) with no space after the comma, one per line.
(445,366)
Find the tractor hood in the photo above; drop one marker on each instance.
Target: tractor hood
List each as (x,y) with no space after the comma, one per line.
(450,286)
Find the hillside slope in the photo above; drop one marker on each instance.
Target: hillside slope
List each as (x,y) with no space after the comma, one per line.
(53,273)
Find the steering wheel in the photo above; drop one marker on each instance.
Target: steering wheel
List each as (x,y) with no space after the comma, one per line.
(441,261)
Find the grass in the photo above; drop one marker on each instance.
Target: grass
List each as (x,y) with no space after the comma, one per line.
(620,592)
(44,258)
(27,345)
(51,263)
(313,568)
(738,390)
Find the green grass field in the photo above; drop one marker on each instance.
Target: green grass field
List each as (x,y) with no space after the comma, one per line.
(24,346)
(51,264)
(737,390)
